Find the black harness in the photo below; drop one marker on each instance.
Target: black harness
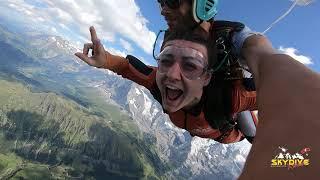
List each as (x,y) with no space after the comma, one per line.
(217,104)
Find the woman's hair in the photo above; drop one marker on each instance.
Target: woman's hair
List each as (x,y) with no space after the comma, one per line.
(197,35)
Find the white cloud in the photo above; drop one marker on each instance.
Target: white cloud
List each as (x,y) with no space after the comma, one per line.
(24,8)
(294,54)
(116,52)
(40,19)
(126,45)
(63,26)
(111,18)
(53,29)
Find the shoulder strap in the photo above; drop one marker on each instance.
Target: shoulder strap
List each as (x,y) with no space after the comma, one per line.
(218,92)
(227,62)
(231,25)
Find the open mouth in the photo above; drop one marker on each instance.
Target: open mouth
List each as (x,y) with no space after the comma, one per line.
(173,93)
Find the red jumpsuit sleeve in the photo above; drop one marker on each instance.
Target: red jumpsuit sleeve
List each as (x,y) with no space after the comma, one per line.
(243,100)
(123,67)
(234,136)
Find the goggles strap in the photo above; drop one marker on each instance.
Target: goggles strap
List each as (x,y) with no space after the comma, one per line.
(155,42)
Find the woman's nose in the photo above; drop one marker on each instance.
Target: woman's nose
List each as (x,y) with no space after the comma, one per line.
(174,72)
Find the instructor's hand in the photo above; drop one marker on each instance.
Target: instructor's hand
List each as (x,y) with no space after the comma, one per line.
(98,58)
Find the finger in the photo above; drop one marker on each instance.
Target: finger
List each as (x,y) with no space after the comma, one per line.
(84,58)
(87,47)
(97,47)
(93,33)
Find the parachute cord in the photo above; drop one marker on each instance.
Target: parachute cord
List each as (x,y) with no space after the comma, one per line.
(281,17)
(221,63)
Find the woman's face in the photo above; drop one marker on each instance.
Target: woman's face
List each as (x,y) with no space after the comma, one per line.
(182,74)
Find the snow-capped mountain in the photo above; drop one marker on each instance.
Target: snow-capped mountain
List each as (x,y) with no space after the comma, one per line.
(192,156)
(52,46)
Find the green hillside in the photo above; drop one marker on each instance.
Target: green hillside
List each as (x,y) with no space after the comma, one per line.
(44,135)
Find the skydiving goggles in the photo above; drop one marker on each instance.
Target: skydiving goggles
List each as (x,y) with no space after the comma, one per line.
(193,64)
(172,4)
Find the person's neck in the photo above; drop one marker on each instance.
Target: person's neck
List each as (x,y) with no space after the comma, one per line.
(194,107)
(206,25)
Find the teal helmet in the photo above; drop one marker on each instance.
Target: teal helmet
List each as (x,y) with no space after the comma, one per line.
(204,10)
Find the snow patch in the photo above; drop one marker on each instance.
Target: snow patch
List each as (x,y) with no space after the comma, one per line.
(196,145)
(240,158)
(168,124)
(131,101)
(137,91)
(155,111)
(147,104)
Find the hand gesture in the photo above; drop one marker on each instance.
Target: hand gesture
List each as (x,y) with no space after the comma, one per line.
(98,58)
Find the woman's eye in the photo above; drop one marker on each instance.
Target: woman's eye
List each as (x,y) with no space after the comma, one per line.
(166,62)
(190,66)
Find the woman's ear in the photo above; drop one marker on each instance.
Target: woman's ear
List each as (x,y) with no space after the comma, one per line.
(207,79)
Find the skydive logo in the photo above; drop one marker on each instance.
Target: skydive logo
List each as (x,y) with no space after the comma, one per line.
(286,159)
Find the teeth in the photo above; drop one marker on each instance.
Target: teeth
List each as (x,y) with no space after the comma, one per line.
(172,87)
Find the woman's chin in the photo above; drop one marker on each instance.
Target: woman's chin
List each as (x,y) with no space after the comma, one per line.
(171,105)
(170,108)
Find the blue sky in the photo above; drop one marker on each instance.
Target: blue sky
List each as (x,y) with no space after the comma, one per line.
(130,26)
(299,29)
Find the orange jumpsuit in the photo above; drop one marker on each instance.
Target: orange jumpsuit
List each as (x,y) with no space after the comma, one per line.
(133,69)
